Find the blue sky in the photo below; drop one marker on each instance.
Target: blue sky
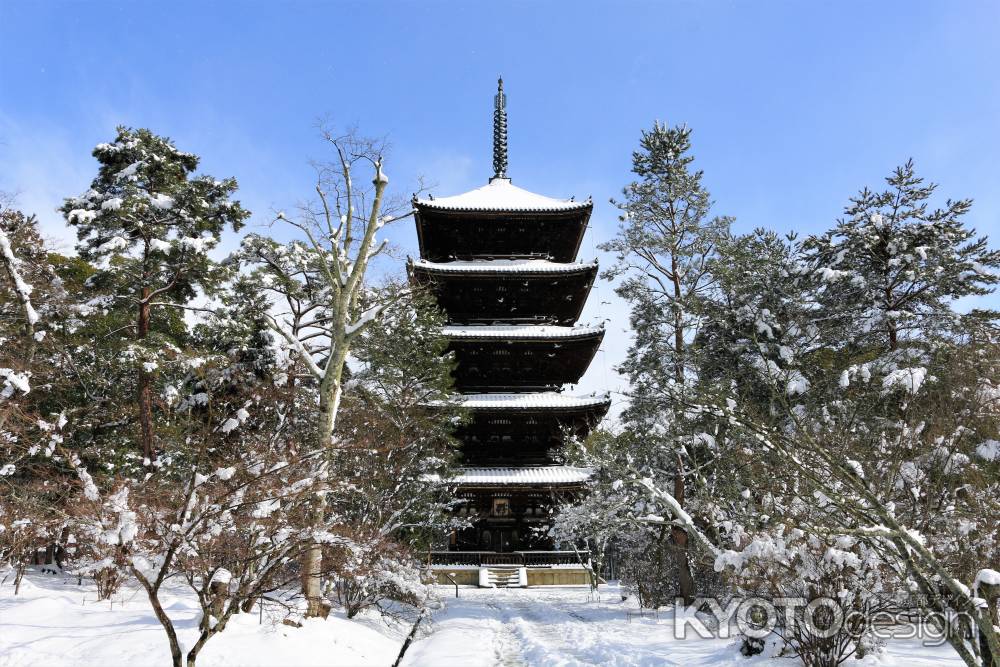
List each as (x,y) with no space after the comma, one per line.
(794,105)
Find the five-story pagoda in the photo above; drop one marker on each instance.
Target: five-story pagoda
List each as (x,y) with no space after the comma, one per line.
(502,263)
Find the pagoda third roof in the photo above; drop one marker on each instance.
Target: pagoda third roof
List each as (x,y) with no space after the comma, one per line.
(501,195)
(505,266)
(528,332)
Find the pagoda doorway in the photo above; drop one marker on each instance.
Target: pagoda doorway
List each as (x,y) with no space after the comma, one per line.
(507,540)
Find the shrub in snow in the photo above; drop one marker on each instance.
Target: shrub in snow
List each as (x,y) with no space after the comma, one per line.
(791,563)
(375,573)
(107,528)
(204,529)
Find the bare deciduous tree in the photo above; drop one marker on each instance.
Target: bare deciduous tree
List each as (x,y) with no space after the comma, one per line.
(317,283)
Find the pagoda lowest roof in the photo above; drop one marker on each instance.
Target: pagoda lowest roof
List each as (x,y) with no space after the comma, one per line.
(500,195)
(521,332)
(504,266)
(545,400)
(475,476)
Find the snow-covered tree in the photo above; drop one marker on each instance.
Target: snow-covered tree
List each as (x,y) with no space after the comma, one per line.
(623,513)
(32,315)
(149,225)
(394,445)
(317,285)
(22,258)
(664,249)
(862,401)
(897,467)
(893,266)
(849,412)
(229,510)
(611,519)
(230,533)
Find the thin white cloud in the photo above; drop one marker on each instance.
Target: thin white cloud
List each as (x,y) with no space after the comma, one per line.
(42,166)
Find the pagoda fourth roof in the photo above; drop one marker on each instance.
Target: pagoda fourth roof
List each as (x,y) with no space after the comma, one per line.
(501,195)
(532,401)
(534,475)
(525,332)
(505,266)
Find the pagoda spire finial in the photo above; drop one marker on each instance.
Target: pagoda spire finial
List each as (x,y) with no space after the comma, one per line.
(500,132)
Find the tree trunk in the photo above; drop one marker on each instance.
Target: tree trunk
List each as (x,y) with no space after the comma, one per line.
(219,593)
(991,616)
(176,656)
(312,561)
(892,328)
(678,321)
(19,575)
(192,656)
(312,569)
(685,580)
(50,554)
(145,385)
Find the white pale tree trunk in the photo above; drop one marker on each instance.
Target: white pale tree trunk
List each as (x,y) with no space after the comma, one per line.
(344,276)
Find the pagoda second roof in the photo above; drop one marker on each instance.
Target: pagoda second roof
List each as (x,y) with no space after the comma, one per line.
(526,332)
(544,400)
(504,266)
(522,476)
(501,195)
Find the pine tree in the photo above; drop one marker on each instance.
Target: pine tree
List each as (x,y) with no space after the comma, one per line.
(757,320)
(664,249)
(860,407)
(149,224)
(893,266)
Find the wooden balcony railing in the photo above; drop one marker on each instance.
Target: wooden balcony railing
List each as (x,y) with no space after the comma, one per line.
(519,558)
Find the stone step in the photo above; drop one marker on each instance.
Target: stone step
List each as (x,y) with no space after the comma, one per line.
(500,576)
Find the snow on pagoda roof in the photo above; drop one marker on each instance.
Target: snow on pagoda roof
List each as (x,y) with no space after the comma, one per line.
(501,195)
(539,332)
(531,401)
(504,266)
(539,475)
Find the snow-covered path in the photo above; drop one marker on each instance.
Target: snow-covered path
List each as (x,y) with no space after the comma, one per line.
(557,627)
(566,627)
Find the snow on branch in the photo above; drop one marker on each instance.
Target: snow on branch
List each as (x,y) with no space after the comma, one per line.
(366,318)
(21,288)
(681,518)
(13,381)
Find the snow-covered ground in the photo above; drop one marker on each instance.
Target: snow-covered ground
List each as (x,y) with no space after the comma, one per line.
(55,623)
(566,626)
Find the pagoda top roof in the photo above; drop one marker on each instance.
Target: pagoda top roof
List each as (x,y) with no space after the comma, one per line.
(504,266)
(522,476)
(500,195)
(525,332)
(532,401)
